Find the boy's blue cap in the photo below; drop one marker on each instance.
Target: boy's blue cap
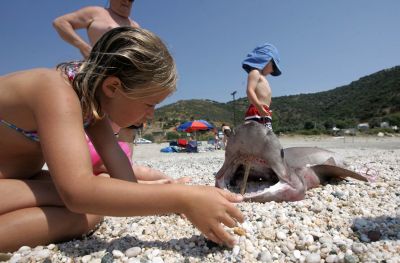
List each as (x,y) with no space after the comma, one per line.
(260,57)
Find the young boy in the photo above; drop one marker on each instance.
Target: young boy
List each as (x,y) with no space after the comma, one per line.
(263,60)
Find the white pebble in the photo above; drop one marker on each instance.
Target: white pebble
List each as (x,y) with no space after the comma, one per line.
(297,254)
(24,249)
(86,258)
(313,258)
(117,253)
(331,259)
(281,235)
(133,252)
(235,250)
(157,260)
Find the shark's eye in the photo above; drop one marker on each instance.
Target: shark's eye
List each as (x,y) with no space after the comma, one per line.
(282,154)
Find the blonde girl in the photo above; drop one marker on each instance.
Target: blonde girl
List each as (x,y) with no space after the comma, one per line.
(44,114)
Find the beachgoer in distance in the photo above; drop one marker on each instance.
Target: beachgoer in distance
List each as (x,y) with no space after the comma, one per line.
(263,60)
(98,20)
(127,73)
(225,130)
(216,139)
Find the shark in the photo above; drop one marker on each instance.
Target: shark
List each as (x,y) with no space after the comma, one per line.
(258,167)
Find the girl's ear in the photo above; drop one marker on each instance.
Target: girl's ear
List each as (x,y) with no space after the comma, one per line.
(110,86)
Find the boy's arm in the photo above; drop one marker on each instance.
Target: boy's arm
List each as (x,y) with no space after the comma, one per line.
(252,82)
(67,24)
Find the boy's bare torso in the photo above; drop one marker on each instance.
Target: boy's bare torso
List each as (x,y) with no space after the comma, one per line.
(263,91)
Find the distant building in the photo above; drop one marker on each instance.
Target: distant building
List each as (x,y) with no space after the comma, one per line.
(363,126)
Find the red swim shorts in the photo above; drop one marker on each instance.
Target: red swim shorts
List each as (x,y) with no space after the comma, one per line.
(252,114)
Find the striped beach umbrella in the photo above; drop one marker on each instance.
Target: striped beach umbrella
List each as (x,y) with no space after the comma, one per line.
(192,126)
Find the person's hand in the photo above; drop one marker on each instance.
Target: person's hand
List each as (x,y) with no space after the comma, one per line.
(182,180)
(263,112)
(85,51)
(208,208)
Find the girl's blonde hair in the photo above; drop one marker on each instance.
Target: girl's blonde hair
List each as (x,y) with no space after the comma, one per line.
(136,56)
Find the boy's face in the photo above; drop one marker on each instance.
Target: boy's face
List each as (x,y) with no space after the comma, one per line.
(268,69)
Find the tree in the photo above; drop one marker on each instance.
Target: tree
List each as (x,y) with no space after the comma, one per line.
(309,125)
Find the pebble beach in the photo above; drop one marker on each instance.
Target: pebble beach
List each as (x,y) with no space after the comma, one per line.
(349,221)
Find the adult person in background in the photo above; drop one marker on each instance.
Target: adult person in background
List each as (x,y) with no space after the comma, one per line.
(216,139)
(98,20)
(226,130)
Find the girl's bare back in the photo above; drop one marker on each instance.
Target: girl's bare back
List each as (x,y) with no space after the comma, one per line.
(21,157)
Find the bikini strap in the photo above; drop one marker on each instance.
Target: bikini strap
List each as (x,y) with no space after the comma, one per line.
(72,69)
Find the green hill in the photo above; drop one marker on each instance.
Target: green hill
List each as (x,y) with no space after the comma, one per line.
(373,98)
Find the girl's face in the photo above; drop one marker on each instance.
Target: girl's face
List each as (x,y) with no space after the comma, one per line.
(125,111)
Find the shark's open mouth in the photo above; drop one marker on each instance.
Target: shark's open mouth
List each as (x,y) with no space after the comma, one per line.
(260,177)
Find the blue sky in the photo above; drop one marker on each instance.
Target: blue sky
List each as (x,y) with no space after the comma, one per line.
(323,44)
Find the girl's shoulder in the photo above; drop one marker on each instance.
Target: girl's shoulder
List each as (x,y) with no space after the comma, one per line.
(33,81)
(50,78)
(50,84)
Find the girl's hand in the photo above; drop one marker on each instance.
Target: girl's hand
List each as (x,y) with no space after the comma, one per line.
(208,208)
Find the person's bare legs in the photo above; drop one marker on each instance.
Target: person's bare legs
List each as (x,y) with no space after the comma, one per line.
(149,175)
(146,175)
(32,213)
(41,226)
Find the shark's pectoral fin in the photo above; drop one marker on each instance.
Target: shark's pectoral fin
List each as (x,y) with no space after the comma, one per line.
(327,170)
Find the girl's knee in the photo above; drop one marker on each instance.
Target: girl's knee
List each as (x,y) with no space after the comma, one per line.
(73,225)
(86,225)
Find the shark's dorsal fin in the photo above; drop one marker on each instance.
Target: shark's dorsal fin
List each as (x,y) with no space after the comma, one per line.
(330,161)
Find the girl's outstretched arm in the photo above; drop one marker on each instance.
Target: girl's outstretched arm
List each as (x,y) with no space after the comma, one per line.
(59,119)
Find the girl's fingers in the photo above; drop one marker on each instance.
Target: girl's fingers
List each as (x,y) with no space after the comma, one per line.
(221,234)
(183,216)
(228,221)
(231,197)
(183,180)
(211,236)
(235,213)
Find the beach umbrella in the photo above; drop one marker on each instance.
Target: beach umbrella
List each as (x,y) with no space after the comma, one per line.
(192,126)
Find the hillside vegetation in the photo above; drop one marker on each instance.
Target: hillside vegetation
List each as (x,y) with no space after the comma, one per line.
(373,99)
